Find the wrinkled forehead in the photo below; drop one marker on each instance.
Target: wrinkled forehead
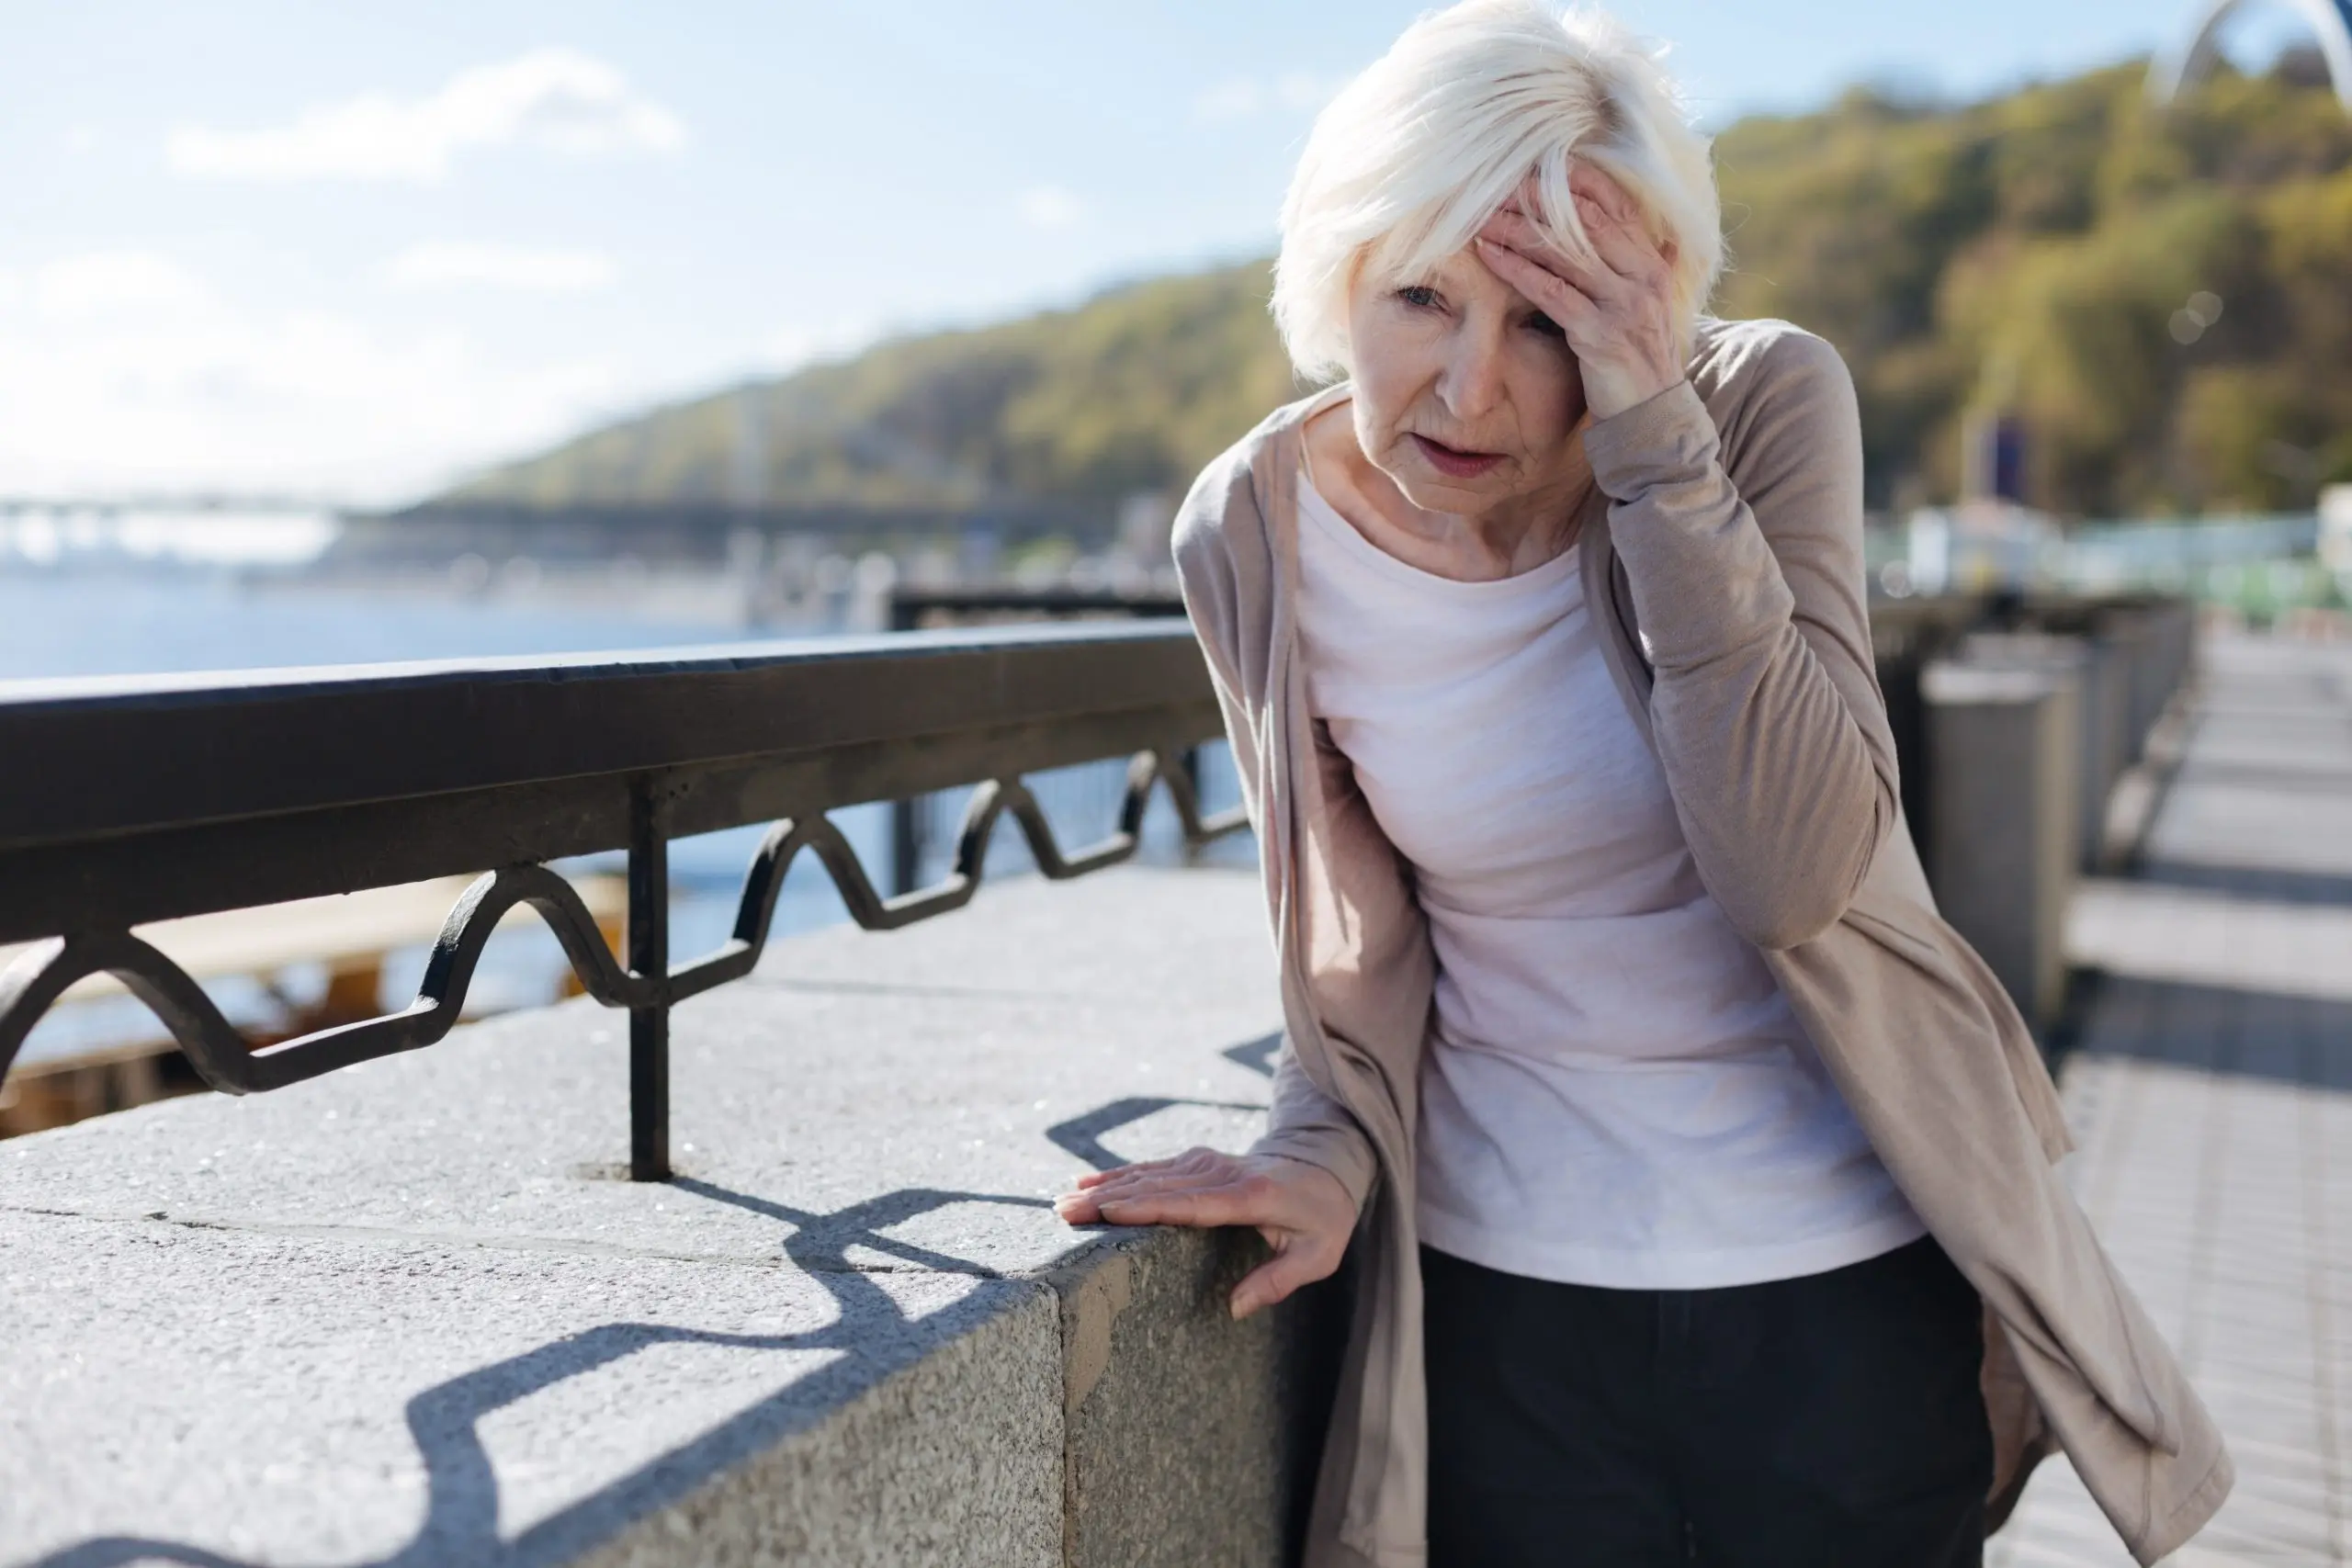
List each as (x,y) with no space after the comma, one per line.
(1436,233)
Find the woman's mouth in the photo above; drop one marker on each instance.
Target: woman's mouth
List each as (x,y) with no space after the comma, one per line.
(1452,461)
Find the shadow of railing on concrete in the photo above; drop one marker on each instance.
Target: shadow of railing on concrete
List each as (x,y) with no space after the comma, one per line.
(1258,1055)
(1082,1135)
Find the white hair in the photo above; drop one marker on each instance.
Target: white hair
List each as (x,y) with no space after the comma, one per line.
(1408,162)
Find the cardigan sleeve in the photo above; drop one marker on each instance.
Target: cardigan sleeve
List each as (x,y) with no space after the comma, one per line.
(1303,1123)
(1308,1125)
(1748,589)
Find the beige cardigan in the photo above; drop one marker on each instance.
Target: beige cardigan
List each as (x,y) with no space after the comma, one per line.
(1726,572)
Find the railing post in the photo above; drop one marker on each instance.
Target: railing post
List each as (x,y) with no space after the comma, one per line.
(649,956)
(1190,763)
(906,843)
(906,815)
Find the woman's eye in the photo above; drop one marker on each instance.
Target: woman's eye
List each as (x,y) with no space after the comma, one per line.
(1421,295)
(1542,325)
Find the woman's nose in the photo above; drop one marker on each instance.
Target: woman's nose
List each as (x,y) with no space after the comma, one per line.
(1473,379)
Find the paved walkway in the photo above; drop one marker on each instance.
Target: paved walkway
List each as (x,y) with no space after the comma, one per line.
(2213,1098)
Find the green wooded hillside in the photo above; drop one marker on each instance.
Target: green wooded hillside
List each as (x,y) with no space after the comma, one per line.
(2030,252)
(1135,390)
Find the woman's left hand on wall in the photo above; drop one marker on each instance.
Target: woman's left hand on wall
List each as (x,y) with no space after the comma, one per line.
(1617,315)
(1301,1210)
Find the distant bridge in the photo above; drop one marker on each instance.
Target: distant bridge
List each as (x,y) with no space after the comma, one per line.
(2330,21)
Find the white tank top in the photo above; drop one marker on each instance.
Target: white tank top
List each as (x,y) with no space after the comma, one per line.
(1615,1091)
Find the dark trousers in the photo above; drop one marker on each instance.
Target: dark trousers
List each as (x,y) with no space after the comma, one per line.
(1831,1421)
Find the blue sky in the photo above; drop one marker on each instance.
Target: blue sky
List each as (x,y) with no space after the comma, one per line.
(350,252)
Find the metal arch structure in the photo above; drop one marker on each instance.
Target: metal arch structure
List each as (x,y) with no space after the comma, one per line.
(2330,22)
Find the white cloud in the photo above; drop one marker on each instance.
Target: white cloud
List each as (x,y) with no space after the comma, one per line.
(447,263)
(132,372)
(1246,98)
(1049,207)
(790,347)
(112,284)
(553,99)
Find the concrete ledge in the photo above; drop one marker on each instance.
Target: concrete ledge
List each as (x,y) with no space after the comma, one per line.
(403,1314)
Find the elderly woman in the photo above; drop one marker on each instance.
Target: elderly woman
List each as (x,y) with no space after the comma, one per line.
(1701,1178)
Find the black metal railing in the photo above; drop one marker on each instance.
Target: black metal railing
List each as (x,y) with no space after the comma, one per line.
(124,801)
(129,801)
(917,822)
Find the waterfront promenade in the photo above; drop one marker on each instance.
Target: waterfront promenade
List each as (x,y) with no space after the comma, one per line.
(2212,1096)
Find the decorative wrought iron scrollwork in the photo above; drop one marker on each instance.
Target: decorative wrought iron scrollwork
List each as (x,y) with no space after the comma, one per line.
(221,1054)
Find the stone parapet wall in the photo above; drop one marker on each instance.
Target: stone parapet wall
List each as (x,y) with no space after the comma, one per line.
(405,1314)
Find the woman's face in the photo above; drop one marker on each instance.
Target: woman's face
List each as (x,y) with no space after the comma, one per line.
(1465,394)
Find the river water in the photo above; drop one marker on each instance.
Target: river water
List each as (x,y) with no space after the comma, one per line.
(61,624)
(72,624)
